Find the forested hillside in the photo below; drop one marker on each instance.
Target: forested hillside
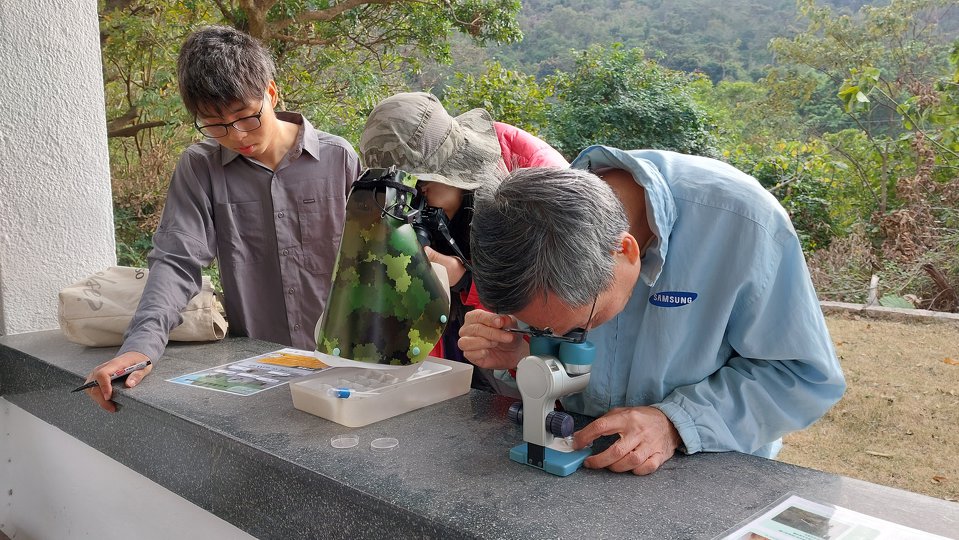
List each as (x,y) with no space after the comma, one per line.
(727,40)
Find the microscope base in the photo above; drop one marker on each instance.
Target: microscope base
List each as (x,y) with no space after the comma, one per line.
(555,462)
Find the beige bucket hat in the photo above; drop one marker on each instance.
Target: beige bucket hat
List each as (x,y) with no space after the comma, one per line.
(414,132)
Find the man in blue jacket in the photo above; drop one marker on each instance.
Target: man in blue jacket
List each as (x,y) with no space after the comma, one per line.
(692,283)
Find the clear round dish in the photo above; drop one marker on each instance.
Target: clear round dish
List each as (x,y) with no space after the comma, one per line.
(384,443)
(344,441)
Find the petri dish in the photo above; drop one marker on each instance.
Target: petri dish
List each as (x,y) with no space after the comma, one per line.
(384,443)
(344,441)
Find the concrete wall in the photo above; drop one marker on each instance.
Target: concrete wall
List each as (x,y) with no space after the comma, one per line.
(54,486)
(56,217)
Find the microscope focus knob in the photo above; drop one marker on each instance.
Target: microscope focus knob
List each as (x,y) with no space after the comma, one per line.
(515,412)
(560,424)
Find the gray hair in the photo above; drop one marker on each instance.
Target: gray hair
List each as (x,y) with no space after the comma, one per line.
(545,231)
(219,66)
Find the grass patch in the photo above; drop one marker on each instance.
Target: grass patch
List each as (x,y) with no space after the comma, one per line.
(897,423)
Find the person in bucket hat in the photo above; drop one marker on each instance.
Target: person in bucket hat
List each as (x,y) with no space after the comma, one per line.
(451,157)
(415,133)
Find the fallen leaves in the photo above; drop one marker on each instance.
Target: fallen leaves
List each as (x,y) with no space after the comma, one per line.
(938,479)
(878,454)
(951,361)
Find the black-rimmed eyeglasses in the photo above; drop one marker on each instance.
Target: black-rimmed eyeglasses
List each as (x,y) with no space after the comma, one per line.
(247,123)
(576,335)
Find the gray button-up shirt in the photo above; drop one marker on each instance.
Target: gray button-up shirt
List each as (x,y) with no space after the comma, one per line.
(275,235)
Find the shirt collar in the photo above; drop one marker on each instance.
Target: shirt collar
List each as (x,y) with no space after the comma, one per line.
(306,139)
(660,206)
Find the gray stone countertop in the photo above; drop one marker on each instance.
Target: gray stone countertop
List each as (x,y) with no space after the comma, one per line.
(268,468)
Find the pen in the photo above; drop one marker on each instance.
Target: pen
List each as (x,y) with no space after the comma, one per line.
(119,373)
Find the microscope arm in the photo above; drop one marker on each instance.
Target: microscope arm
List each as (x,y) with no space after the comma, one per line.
(542,380)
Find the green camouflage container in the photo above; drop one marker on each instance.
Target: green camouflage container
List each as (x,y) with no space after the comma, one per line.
(386,304)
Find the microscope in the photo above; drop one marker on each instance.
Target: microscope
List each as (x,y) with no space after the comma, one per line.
(556,367)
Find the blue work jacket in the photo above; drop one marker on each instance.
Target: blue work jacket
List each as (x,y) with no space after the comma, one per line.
(724,332)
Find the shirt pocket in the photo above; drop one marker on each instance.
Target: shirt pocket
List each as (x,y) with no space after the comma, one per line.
(321,225)
(243,235)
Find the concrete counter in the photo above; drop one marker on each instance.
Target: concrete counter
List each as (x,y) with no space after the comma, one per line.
(269,469)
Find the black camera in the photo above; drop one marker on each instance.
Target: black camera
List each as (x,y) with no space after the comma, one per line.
(428,220)
(408,204)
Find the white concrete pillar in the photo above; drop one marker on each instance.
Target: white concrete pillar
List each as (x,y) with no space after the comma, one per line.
(56,213)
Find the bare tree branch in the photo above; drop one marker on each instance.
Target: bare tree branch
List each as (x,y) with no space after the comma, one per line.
(226,12)
(134,129)
(256,11)
(120,121)
(292,40)
(861,174)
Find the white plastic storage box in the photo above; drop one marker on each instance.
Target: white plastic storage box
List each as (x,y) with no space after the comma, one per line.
(355,397)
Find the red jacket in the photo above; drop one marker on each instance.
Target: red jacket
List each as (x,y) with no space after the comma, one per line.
(522,149)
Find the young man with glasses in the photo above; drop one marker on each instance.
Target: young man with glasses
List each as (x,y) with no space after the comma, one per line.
(265,195)
(692,283)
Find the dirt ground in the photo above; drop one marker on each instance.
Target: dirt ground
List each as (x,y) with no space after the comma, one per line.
(898,423)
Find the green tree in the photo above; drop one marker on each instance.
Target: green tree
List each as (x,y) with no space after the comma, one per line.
(146,127)
(803,176)
(742,114)
(335,60)
(510,96)
(881,60)
(616,96)
(888,68)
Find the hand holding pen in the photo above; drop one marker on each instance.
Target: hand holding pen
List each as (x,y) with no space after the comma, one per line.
(130,365)
(115,375)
